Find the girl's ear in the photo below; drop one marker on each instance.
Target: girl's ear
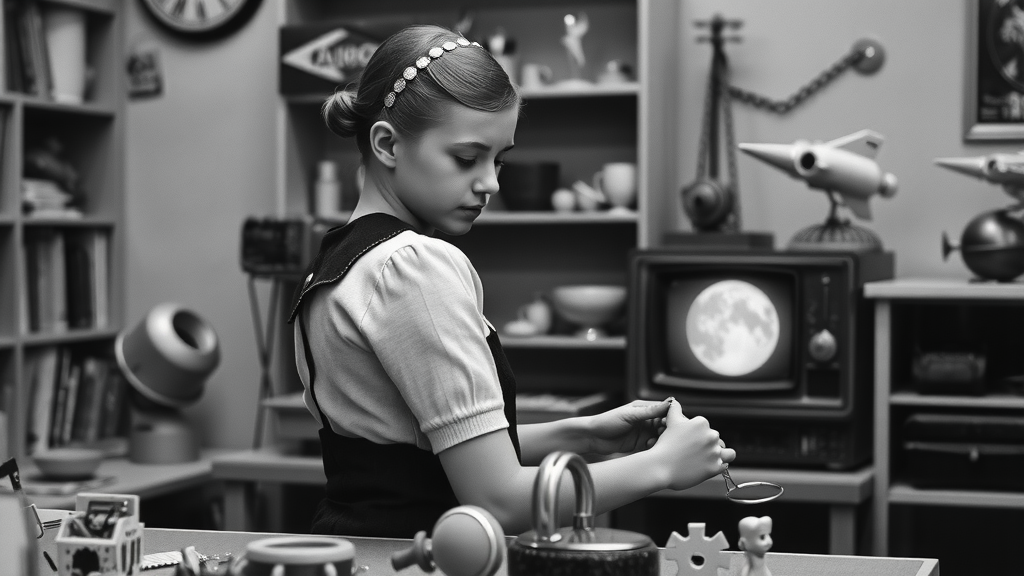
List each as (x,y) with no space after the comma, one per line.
(382,142)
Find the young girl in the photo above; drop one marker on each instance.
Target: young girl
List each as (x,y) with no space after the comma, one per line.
(400,367)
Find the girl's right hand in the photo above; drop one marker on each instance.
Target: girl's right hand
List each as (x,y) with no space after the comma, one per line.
(690,450)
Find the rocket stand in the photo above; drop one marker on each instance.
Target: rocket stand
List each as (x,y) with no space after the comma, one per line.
(835,235)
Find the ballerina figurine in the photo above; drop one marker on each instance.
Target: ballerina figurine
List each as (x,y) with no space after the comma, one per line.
(575,28)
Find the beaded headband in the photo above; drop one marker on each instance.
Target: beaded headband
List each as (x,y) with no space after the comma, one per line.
(433,54)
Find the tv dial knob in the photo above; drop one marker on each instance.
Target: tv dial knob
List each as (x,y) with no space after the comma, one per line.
(823,346)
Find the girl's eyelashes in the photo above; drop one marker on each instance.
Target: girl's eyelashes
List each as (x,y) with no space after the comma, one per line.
(465,162)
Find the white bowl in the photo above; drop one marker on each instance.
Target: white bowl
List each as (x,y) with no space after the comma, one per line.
(588,305)
(68,463)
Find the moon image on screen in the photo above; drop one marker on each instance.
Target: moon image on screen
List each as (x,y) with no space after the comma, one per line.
(732,327)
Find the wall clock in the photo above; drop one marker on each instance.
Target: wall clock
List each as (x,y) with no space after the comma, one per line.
(201,19)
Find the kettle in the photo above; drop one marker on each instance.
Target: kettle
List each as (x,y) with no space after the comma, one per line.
(581,549)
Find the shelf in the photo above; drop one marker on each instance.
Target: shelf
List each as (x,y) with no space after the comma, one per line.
(564,342)
(6,342)
(86,109)
(604,217)
(905,494)
(943,289)
(1007,401)
(594,91)
(69,337)
(85,222)
(6,220)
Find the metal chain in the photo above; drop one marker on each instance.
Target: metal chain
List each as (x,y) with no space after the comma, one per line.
(783,106)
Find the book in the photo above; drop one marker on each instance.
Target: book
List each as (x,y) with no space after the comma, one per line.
(44,363)
(100,256)
(83,407)
(59,285)
(47,281)
(114,401)
(71,403)
(100,373)
(12,48)
(79,279)
(29,79)
(61,397)
(35,56)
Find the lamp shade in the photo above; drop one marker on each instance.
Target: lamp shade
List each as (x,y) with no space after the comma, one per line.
(168,356)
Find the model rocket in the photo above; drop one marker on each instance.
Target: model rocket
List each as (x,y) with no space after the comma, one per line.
(1004,169)
(844,168)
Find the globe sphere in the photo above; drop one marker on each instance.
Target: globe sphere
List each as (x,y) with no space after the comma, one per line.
(992,246)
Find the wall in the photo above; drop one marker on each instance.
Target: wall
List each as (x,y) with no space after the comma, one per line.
(915,101)
(199,160)
(201,156)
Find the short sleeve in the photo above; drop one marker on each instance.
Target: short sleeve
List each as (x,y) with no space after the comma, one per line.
(425,323)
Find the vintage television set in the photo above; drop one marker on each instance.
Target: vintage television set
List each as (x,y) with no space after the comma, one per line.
(773,348)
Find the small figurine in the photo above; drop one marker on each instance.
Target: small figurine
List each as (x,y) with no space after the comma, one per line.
(755,541)
(708,551)
(845,169)
(575,28)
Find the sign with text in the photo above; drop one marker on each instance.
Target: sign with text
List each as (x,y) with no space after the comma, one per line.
(317,59)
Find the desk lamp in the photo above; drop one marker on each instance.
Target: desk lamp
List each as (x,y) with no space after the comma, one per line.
(166,358)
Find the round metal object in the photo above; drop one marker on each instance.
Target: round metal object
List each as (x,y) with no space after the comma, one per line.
(581,549)
(992,246)
(872,55)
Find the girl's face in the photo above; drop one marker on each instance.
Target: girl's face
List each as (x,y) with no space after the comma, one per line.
(445,176)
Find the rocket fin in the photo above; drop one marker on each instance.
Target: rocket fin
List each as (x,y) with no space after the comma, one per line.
(859,206)
(864,142)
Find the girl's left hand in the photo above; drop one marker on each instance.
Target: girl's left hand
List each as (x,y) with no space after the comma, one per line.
(629,428)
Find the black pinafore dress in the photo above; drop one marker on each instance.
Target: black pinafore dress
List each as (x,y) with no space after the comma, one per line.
(381,490)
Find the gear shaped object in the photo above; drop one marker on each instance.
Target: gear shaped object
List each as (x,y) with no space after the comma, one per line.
(684,551)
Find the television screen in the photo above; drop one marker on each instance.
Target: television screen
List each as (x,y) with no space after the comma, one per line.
(729,327)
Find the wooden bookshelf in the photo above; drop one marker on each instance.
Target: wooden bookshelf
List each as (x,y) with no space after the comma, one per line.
(90,135)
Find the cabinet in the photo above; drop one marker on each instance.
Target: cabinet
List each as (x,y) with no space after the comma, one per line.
(947,503)
(520,254)
(91,136)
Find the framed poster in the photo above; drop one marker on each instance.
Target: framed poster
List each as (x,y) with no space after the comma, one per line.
(994,83)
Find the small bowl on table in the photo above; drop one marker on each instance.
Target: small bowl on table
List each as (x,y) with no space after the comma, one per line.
(68,463)
(589,306)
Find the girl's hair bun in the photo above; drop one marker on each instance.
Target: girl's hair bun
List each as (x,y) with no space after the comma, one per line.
(340,113)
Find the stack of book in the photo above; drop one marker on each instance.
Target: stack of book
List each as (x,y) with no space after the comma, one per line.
(46,199)
(77,399)
(66,280)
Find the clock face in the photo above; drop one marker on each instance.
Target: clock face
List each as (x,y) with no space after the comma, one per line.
(201,18)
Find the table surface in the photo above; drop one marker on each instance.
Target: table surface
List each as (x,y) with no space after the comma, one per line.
(145,480)
(375,553)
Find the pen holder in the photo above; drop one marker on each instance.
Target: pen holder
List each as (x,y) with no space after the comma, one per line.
(104,535)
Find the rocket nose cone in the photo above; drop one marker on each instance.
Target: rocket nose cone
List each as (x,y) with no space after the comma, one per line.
(971,166)
(777,155)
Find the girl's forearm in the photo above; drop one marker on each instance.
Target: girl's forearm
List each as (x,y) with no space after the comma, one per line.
(538,440)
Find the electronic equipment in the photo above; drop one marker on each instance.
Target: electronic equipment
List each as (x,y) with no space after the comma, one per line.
(774,348)
(281,245)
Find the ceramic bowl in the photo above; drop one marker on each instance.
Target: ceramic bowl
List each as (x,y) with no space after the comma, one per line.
(68,463)
(588,305)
